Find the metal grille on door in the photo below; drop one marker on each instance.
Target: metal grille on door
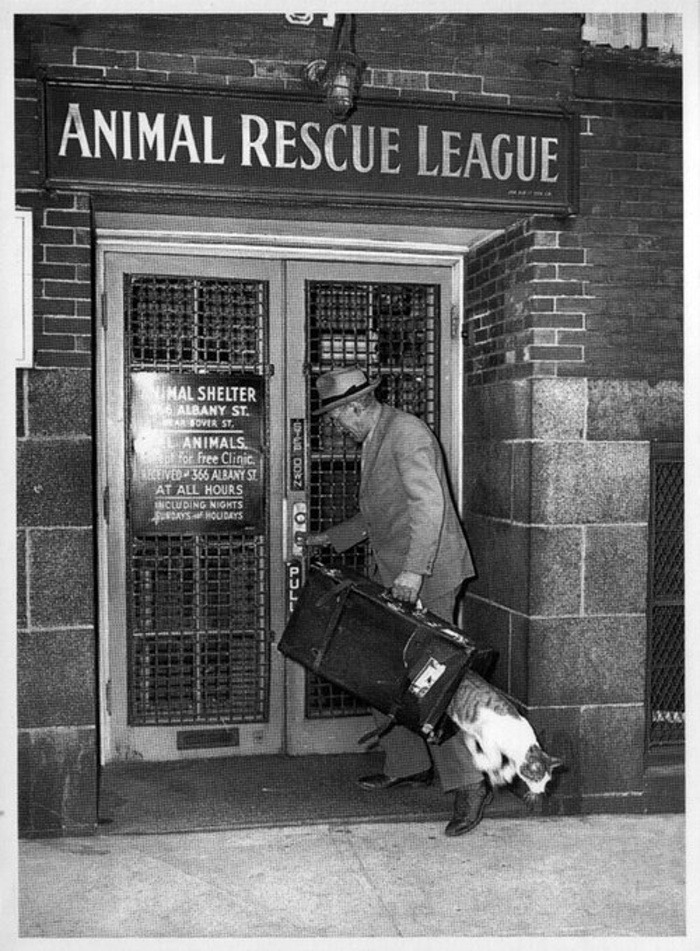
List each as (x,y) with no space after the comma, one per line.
(198,647)
(391,331)
(666,653)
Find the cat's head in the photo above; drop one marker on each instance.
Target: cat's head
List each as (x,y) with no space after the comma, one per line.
(536,770)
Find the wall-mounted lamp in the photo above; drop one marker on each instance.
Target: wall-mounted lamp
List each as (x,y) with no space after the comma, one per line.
(340,75)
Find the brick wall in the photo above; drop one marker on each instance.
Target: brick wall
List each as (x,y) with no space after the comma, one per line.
(631,218)
(525,294)
(62,250)
(512,60)
(599,295)
(520,58)
(622,254)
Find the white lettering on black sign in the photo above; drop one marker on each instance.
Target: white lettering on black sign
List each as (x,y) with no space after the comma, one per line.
(286,144)
(297,455)
(228,143)
(197,461)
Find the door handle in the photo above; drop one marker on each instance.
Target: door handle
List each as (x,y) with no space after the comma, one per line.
(299,529)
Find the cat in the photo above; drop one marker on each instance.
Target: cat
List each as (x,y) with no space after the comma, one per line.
(501,741)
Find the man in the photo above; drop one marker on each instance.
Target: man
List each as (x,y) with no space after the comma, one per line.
(407,513)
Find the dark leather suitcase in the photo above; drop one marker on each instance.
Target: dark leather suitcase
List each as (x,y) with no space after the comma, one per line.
(404,663)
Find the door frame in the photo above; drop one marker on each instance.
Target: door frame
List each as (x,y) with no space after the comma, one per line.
(195,237)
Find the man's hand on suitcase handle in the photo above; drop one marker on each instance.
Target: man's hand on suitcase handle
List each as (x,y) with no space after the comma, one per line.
(406,585)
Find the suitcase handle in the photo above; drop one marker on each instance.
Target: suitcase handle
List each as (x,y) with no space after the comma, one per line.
(415,608)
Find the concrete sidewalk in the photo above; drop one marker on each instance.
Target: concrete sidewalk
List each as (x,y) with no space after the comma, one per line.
(586,876)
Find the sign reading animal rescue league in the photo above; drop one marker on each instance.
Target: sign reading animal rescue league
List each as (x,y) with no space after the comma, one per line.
(197,452)
(272,149)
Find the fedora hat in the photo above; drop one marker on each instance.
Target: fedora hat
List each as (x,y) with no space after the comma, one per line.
(342,386)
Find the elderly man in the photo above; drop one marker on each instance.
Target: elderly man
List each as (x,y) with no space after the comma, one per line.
(419,547)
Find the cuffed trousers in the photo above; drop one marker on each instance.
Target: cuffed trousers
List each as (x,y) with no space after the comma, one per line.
(407,753)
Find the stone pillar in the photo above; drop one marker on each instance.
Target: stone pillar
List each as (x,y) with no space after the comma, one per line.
(57,769)
(558,524)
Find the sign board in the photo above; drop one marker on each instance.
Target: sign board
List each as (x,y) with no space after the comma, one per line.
(297,455)
(197,452)
(109,136)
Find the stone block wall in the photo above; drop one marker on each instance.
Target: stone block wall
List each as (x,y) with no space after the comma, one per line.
(559,526)
(56,663)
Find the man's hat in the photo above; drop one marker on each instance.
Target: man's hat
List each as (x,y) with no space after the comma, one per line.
(342,386)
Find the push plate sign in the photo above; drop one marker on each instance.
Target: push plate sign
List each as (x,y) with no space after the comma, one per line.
(197,452)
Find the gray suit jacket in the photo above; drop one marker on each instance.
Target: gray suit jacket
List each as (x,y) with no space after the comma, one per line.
(406,508)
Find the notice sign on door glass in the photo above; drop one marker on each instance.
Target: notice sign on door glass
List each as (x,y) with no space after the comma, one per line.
(197,452)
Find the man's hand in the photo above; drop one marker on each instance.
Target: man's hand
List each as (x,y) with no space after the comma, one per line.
(406,586)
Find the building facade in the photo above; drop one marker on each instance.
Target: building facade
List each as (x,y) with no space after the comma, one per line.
(495,230)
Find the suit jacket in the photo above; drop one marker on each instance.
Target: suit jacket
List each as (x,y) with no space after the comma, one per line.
(406,508)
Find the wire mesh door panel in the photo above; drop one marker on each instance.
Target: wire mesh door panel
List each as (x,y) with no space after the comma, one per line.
(198,648)
(392,331)
(198,651)
(665,613)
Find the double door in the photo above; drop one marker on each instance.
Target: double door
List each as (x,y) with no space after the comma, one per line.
(210,463)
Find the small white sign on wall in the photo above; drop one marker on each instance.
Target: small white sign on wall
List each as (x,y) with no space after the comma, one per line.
(21,289)
(306,19)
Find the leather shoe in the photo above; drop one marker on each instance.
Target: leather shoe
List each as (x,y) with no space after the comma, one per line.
(382,781)
(469,806)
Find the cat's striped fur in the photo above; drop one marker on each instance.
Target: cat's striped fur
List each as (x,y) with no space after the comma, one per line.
(501,740)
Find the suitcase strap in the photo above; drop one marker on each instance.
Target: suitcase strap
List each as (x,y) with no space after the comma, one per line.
(376,734)
(341,595)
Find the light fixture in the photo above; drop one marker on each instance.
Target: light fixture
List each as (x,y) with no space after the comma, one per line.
(340,75)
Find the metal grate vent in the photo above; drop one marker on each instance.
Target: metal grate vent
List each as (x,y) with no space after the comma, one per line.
(666,655)
(198,644)
(391,331)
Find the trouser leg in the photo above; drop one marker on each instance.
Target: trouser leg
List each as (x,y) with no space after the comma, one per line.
(453,761)
(405,753)
(454,764)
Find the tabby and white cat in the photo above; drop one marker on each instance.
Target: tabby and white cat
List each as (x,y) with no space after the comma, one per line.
(501,741)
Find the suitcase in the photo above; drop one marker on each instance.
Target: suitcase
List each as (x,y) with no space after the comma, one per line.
(404,663)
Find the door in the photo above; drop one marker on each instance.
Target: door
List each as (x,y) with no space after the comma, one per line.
(210,462)
(391,321)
